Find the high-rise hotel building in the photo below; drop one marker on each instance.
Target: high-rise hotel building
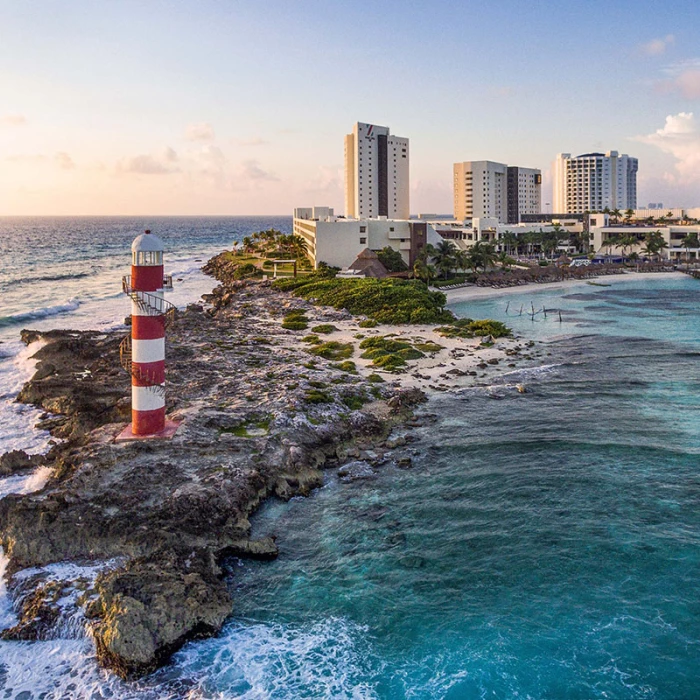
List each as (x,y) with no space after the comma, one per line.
(593,181)
(485,189)
(376,173)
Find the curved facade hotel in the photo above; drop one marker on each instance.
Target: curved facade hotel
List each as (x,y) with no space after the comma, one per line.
(593,181)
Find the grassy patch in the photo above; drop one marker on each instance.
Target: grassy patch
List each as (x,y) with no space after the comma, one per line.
(354,401)
(467,328)
(333,350)
(324,328)
(251,429)
(317,396)
(369,323)
(346,366)
(428,347)
(295,325)
(375,378)
(384,301)
(311,338)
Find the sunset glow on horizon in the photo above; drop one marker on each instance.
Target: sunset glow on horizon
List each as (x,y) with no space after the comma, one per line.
(240,108)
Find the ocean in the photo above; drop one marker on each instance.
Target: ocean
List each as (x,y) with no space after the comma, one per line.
(543,545)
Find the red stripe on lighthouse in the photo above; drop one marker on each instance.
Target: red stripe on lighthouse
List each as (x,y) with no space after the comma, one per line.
(147,278)
(147,327)
(148,422)
(147,373)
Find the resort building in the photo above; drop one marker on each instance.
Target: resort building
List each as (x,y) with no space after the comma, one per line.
(608,238)
(594,181)
(337,241)
(484,188)
(376,173)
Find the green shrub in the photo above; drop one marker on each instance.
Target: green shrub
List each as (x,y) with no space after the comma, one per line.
(317,396)
(391,363)
(428,347)
(375,378)
(354,401)
(346,366)
(369,323)
(377,347)
(467,328)
(295,325)
(318,385)
(313,339)
(324,328)
(385,301)
(296,315)
(244,271)
(333,350)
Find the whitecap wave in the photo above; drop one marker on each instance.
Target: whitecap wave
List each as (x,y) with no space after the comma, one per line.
(42,312)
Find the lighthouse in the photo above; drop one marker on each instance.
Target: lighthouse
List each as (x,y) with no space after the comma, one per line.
(143,353)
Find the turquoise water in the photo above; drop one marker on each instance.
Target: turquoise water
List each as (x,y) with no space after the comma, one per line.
(543,545)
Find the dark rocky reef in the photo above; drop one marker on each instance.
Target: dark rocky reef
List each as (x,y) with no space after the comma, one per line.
(164,514)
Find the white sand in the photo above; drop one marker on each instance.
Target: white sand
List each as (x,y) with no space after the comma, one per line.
(445,370)
(467,293)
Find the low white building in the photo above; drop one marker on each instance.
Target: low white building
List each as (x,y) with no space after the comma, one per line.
(337,241)
(602,231)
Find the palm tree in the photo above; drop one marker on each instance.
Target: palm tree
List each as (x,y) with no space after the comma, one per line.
(626,241)
(504,260)
(616,214)
(481,255)
(423,271)
(444,257)
(629,213)
(690,241)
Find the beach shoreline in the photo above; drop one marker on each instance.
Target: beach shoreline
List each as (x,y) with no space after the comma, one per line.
(473,292)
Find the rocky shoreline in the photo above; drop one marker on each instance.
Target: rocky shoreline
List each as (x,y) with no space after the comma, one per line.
(157,519)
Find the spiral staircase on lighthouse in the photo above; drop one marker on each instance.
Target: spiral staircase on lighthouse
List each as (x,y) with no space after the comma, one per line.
(149,305)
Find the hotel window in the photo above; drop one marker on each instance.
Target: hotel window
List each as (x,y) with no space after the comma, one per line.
(363,241)
(363,229)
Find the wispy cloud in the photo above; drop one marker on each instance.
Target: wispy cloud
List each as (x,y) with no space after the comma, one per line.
(680,137)
(203,131)
(682,77)
(657,47)
(13,120)
(257,141)
(251,170)
(147,164)
(64,161)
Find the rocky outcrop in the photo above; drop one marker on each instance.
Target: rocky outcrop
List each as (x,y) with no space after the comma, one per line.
(165,514)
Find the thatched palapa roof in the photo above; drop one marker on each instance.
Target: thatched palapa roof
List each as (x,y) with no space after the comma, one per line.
(369,264)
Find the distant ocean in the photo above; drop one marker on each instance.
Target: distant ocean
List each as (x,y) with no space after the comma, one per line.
(543,545)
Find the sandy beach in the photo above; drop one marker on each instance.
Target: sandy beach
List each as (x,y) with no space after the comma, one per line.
(474,292)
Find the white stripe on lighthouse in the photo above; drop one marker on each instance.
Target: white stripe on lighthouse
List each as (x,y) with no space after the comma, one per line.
(148,350)
(146,398)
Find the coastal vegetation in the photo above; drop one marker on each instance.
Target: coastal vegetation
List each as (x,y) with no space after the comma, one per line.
(468,328)
(383,301)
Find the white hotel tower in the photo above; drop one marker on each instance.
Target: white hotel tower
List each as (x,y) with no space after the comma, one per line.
(593,181)
(376,173)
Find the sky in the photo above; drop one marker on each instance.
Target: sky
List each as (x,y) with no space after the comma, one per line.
(218,107)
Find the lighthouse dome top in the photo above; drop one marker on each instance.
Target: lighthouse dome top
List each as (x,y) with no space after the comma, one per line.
(147,242)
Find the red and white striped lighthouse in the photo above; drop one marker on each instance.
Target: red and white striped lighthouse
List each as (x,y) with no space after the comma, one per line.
(149,316)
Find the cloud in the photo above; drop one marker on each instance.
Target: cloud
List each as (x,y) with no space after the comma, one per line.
(64,161)
(657,47)
(251,170)
(683,77)
(680,137)
(257,141)
(13,120)
(147,164)
(203,131)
